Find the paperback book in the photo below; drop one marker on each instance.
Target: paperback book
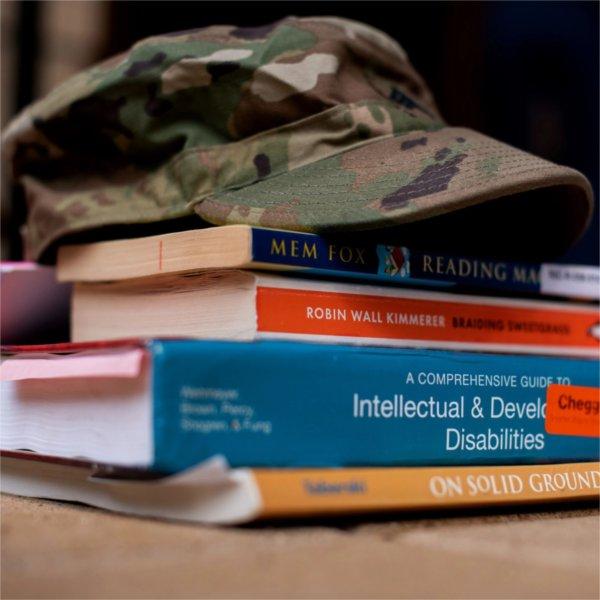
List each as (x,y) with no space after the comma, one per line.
(168,405)
(246,305)
(245,247)
(213,493)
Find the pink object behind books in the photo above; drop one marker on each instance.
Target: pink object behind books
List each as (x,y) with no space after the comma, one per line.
(34,308)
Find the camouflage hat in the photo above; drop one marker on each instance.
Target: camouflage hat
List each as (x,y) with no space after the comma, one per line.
(312,124)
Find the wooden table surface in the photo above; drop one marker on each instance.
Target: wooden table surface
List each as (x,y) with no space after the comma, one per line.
(59,550)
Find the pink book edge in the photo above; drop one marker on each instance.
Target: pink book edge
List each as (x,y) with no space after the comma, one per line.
(123,363)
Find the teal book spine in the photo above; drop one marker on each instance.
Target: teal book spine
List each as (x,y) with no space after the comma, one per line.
(283,404)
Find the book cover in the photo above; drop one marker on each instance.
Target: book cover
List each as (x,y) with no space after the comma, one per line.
(305,492)
(282,404)
(309,405)
(381,316)
(236,305)
(213,493)
(241,246)
(411,266)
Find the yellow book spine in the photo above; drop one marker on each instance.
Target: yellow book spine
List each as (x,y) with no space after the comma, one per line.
(296,492)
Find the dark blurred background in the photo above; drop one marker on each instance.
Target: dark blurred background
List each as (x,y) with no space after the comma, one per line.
(523,72)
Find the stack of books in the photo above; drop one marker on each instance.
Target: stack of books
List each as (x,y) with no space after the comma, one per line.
(231,373)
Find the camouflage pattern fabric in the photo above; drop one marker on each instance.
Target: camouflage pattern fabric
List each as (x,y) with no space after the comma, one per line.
(314,124)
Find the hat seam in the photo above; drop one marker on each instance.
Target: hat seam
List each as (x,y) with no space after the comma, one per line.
(433,179)
(306,121)
(289,129)
(505,150)
(539,165)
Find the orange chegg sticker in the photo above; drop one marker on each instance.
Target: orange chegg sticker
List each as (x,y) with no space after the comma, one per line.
(573,410)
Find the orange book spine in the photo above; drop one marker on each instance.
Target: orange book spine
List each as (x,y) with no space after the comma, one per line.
(446,322)
(297,492)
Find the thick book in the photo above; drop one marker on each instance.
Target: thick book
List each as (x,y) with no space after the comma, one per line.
(246,305)
(245,247)
(168,405)
(212,493)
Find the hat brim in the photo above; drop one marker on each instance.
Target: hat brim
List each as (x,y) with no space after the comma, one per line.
(453,186)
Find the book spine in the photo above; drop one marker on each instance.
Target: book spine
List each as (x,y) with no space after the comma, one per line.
(387,263)
(278,404)
(432,322)
(302,492)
